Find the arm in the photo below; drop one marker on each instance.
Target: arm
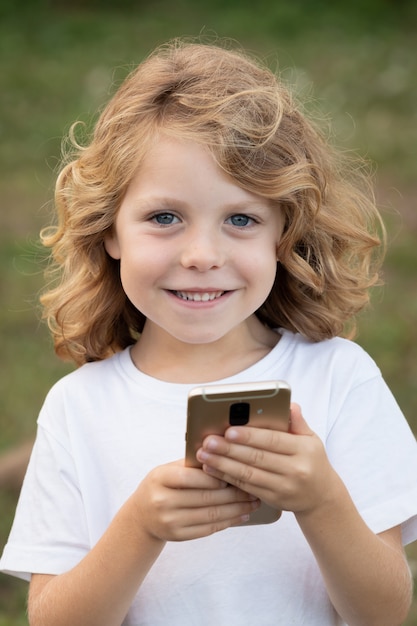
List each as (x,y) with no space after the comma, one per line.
(366,575)
(173,503)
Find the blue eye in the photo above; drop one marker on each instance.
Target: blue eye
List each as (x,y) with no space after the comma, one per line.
(240,220)
(165,219)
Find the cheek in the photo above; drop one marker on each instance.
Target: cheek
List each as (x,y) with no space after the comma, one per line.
(263,266)
(132,269)
(270,275)
(271,264)
(141,266)
(260,272)
(112,247)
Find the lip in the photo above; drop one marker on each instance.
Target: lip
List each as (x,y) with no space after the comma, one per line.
(198,297)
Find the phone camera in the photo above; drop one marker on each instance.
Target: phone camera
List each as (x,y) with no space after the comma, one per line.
(239,413)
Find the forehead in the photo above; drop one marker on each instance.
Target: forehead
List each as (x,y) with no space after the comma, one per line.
(178,167)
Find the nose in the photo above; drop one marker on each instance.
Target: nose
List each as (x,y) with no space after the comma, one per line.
(202,251)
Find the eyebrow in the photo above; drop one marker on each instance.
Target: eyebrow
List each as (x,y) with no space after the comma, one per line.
(162,202)
(169,203)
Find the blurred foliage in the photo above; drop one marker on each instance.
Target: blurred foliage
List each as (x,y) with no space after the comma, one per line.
(355,65)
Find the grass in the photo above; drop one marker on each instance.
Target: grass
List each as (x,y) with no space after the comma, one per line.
(60,61)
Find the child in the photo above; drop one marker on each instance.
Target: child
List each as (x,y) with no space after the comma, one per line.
(209,233)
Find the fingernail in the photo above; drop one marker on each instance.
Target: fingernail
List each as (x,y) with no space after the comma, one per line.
(210,444)
(202,455)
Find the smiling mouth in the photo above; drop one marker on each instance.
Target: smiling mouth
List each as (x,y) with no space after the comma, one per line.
(195,296)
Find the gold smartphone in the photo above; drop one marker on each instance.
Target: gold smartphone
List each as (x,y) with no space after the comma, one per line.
(213,408)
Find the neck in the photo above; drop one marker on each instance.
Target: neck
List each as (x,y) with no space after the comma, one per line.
(162,356)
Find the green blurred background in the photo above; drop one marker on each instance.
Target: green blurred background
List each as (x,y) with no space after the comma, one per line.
(354,62)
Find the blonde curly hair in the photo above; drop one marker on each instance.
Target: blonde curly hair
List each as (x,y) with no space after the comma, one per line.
(248,119)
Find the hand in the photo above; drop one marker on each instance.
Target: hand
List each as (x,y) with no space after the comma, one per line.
(177,503)
(287,470)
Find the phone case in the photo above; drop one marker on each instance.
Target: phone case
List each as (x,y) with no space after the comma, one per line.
(213,408)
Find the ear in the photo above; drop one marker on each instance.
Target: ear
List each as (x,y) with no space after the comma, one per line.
(111,244)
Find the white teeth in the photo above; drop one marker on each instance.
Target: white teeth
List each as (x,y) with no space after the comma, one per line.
(198,297)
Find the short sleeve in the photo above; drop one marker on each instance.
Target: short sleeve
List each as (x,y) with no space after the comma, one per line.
(374,451)
(49,534)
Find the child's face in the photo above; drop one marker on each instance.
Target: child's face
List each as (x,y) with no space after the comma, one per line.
(197,253)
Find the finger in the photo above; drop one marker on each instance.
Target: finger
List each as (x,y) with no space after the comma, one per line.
(178,476)
(204,522)
(200,498)
(266,439)
(254,470)
(298,425)
(237,464)
(230,458)
(250,444)
(260,482)
(276,441)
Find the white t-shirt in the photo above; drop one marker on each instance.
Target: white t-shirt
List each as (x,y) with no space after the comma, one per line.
(106,425)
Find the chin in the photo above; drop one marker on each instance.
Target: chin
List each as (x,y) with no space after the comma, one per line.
(199,339)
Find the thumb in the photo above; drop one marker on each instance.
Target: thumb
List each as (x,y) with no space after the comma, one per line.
(298,425)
